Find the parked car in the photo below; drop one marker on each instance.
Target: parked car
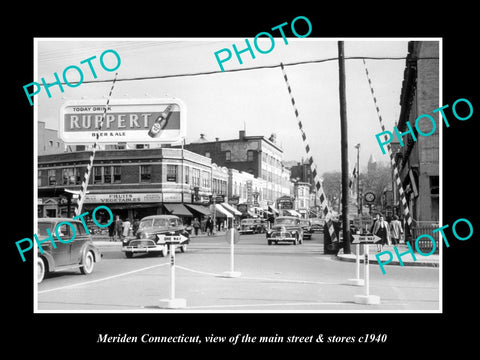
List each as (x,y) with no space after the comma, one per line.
(285,228)
(307,228)
(317,224)
(63,255)
(253,226)
(150,237)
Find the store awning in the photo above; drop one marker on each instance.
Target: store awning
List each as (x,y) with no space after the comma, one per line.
(178,209)
(231,209)
(220,209)
(199,208)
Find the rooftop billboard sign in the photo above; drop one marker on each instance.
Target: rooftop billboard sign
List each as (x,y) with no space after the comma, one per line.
(125,120)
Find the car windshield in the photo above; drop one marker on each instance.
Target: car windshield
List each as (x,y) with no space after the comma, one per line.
(43,226)
(145,223)
(304,222)
(285,222)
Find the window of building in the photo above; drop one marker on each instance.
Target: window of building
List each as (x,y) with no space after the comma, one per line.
(145,173)
(39,181)
(50,142)
(228,155)
(117,174)
(97,174)
(195,177)
(206,179)
(52,178)
(434,185)
(68,176)
(250,155)
(187,174)
(172,173)
(207,154)
(107,174)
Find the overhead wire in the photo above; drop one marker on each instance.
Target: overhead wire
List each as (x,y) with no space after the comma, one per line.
(213,72)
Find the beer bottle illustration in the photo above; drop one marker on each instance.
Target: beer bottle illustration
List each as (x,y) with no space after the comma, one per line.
(160,122)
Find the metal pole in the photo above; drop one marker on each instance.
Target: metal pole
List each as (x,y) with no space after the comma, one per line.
(358,180)
(172,271)
(367,280)
(232,256)
(344,149)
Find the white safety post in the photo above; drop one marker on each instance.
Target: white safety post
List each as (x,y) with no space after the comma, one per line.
(172,302)
(357,281)
(367,299)
(232,273)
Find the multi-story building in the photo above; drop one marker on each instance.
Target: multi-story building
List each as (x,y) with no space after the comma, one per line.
(418,161)
(256,155)
(132,183)
(48,141)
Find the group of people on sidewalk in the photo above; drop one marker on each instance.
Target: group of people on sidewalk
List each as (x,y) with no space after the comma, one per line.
(119,229)
(389,233)
(207,227)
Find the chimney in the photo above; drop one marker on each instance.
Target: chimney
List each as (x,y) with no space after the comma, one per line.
(241,134)
(216,139)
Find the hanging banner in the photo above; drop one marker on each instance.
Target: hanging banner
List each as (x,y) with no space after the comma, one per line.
(128,121)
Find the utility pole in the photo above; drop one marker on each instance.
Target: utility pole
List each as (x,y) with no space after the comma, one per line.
(358,180)
(344,148)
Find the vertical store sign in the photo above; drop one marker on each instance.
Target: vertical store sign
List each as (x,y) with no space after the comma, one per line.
(129,121)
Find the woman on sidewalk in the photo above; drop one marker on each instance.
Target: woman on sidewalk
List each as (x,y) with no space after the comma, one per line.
(381,229)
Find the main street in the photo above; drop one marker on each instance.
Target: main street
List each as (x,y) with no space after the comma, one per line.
(273,278)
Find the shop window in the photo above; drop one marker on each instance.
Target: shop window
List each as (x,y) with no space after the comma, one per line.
(145,173)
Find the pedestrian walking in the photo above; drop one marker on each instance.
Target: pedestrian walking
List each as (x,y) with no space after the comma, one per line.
(111,231)
(136,224)
(375,220)
(196,226)
(209,225)
(126,228)
(119,227)
(396,230)
(381,229)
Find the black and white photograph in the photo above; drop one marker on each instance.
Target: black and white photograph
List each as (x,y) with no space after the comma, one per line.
(293,180)
(223,176)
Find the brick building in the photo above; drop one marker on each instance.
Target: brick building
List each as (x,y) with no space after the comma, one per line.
(418,161)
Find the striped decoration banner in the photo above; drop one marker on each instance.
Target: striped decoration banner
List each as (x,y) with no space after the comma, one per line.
(86,176)
(396,175)
(318,184)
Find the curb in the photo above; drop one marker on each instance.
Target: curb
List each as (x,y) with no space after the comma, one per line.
(373,260)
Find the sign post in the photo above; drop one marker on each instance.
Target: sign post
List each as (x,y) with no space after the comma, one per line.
(357,281)
(232,236)
(366,240)
(172,302)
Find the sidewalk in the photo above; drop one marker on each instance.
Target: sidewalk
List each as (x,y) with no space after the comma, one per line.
(407,259)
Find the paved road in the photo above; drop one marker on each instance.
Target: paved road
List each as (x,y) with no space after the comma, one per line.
(273,279)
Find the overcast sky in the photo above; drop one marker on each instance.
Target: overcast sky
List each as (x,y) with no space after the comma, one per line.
(219,105)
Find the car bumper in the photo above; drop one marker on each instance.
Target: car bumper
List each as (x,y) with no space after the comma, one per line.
(143,249)
(243,231)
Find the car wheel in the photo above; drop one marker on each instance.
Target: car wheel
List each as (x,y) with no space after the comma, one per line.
(88,263)
(40,270)
(129,254)
(183,248)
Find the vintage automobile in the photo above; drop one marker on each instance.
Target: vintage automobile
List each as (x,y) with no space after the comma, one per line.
(64,255)
(317,224)
(252,226)
(307,228)
(152,234)
(285,229)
